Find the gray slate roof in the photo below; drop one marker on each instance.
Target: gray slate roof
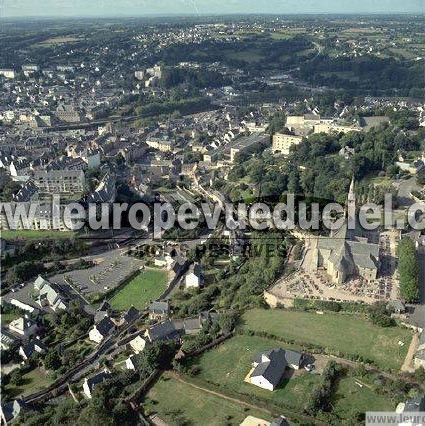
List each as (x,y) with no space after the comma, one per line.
(93,381)
(159,307)
(105,326)
(273,369)
(164,331)
(131,315)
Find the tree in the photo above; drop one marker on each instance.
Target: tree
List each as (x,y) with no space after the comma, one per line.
(393,170)
(24,271)
(227,322)
(52,360)
(277,123)
(16,377)
(408,269)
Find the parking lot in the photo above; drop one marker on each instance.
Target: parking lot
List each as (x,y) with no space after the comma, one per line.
(110,270)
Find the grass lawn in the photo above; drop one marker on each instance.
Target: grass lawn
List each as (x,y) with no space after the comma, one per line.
(7,318)
(346,333)
(33,381)
(229,363)
(350,398)
(140,291)
(10,234)
(179,403)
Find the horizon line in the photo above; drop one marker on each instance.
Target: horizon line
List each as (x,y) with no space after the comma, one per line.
(205,15)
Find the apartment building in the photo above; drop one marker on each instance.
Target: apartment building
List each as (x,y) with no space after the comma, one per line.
(282,143)
(60,181)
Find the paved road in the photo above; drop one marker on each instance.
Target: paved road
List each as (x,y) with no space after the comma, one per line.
(408,362)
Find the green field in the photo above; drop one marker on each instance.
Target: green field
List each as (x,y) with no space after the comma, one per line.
(350,398)
(9,234)
(228,364)
(179,403)
(405,53)
(281,35)
(140,291)
(248,55)
(346,333)
(33,381)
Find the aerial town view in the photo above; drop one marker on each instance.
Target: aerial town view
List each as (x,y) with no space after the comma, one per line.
(212,212)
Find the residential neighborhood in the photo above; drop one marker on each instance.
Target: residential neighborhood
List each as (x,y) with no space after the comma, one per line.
(211,214)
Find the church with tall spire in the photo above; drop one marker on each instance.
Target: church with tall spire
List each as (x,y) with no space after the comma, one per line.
(343,255)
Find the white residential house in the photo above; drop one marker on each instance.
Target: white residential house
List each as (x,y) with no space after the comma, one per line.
(101,330)
(24,326)
(269,367)
(194,277)
(137,344)
(91,382)
(282,142)
(254,421)
(131,362)
(35,346)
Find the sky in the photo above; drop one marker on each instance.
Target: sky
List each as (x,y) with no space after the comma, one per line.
(21,8)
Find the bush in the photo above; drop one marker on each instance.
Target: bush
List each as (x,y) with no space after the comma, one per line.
(379,315)
(324,305)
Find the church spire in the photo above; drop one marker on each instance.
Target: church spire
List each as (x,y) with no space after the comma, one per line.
(351,193)
(351,206)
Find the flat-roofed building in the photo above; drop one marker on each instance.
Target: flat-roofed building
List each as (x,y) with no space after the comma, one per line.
(8,73)
(299,121)
(282,143)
